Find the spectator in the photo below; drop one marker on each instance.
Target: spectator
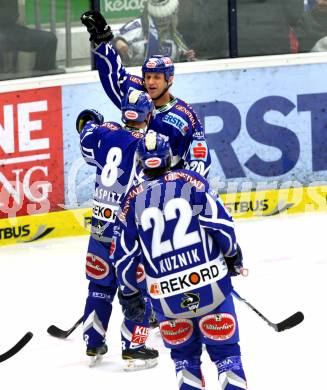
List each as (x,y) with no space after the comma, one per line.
(155,32)
(312,28)
(14,36)
(204,26)
(264,27)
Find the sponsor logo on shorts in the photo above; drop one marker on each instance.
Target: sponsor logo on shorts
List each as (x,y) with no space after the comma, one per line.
(96,267)
(176,332)
(219,326)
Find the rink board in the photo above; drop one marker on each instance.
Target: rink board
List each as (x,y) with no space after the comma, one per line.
(266,203)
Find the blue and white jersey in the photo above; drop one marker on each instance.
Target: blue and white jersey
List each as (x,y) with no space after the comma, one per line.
(179,229)
(177,119)
(111,149)
(142,44)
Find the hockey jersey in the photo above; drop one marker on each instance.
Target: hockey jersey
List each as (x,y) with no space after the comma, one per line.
(111,149)
(177,119)
(178,228)
(142,44)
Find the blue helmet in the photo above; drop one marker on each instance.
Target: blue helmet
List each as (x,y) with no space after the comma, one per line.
(136,106)
(159,64)
(154,151)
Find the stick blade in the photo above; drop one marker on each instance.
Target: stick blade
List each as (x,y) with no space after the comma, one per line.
(54,331)
(17,347)
(290,322)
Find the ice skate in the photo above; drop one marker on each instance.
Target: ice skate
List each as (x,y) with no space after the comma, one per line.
(96,354)
(140,358)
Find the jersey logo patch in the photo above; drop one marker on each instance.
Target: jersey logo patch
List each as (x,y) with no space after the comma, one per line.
(220,326)
(131,115)
(192,301)
(199,150)
(176,121)
(110,126)
(176,332)
(103,212)
(153,162)
(96,267)
(140,274)
(140,335)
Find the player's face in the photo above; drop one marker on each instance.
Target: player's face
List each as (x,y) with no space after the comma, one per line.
(155,83)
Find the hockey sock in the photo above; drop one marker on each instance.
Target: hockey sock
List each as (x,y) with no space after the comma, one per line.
(97,313)
(231,374)
(135,334)
(189,375)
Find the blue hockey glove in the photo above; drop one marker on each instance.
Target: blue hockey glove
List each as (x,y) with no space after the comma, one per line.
(97,27)
(133,306)
(235,263)
(88,115)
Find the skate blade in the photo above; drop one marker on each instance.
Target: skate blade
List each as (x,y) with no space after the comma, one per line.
(140,364)
(95,360)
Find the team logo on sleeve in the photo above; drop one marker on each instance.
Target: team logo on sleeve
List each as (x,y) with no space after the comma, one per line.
(176,332)
(199,150)
(191,302)
(219,326)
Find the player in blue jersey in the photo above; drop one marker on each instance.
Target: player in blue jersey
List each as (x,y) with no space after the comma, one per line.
(179,229)
(173,117)
(111,147)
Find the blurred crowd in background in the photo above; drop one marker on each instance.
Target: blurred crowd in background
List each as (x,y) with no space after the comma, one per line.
(46,37)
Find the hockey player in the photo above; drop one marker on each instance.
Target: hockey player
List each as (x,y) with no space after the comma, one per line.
(190,253)
(111,148)
(173,117)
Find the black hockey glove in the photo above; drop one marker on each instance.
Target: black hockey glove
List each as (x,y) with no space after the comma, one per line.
(97,27)
(133,306)
(88,115)
(235,263)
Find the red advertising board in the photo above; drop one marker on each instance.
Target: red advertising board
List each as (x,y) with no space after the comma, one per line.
(31,152)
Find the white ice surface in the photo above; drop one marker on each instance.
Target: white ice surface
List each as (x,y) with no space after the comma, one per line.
(43,284)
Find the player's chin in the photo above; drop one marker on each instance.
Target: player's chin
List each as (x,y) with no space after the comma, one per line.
(154,93)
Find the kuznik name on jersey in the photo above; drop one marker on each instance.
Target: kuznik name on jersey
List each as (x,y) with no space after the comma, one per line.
(184,281)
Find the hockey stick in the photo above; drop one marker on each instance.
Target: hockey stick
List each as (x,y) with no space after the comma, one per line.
(54,331)
(17,347)
(288,323)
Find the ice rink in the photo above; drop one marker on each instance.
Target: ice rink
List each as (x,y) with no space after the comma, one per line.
(43,283)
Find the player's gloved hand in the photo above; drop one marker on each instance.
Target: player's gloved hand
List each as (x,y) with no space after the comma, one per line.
(235,263)
(97,27)
(88,115)
(133,306)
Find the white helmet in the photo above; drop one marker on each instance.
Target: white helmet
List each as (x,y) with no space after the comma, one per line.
(162,8)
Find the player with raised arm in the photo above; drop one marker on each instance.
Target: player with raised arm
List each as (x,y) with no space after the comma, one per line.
(173,117)
(190,252)
(111,148)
